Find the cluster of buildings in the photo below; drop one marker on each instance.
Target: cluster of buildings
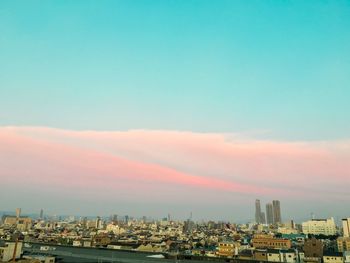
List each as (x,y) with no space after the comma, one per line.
(272,215)
(314,241)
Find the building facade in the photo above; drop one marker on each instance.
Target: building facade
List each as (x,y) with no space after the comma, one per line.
(346,227)
(266,241)
(325,227)
(343,244)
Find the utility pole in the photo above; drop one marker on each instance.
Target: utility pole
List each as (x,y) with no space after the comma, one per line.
(15,250)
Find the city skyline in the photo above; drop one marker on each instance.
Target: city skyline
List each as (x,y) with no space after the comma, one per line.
(155,107)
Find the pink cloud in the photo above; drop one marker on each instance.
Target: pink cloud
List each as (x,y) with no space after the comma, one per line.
(153,163)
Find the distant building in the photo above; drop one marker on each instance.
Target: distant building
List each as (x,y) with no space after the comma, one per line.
(18,212)
(263,218)
(115,219)
(259,216)
(21,223)
(269,214)
(277,211)
(325,227)
(346,227)
(257,211)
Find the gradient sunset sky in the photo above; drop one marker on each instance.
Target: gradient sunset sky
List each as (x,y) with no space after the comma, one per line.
(159,106)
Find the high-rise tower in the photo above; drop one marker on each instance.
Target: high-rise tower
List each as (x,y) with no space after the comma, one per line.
(277,211)
(269,213)
(257,211)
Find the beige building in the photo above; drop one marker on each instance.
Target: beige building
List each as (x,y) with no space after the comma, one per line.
(333,257)
(346,227)
(260,255)
(7,249)
(325,227)
(343,244)
(267,241)
(273,255)
(227,249)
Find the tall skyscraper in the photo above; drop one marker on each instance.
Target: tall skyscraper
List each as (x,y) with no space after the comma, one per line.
(257,211)
(269,214)
(41,213)
(346,227)
(262,218)
(277,211)
(115,219)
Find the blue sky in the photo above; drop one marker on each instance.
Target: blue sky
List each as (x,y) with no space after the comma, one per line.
(275,70)
(280,69)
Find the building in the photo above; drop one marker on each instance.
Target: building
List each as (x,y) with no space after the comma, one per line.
(313,248)
(346,227)
(246,254)
(288,255)
(346,256)
(257,211)
(273,255)
(343,244)
(262,218)
(227,249)
(41,214)
(325,227)
(269,214)
(7,250)
(41,259)
(260,254)
(267,241)
(277,211)
(333,257)
(21,223)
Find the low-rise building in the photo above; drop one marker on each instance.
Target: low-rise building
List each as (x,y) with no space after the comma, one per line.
(333,257)
(267,241)
(346,256)
(7,250)
(260,254)
(313,248)
(288,255)
(227,249)
(273,255)
(343,244)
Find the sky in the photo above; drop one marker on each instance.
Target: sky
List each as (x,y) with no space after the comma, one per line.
(154,107)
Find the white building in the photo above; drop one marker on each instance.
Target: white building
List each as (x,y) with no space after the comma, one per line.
(320,227)
(115,229)
(346,227)
(347,256)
